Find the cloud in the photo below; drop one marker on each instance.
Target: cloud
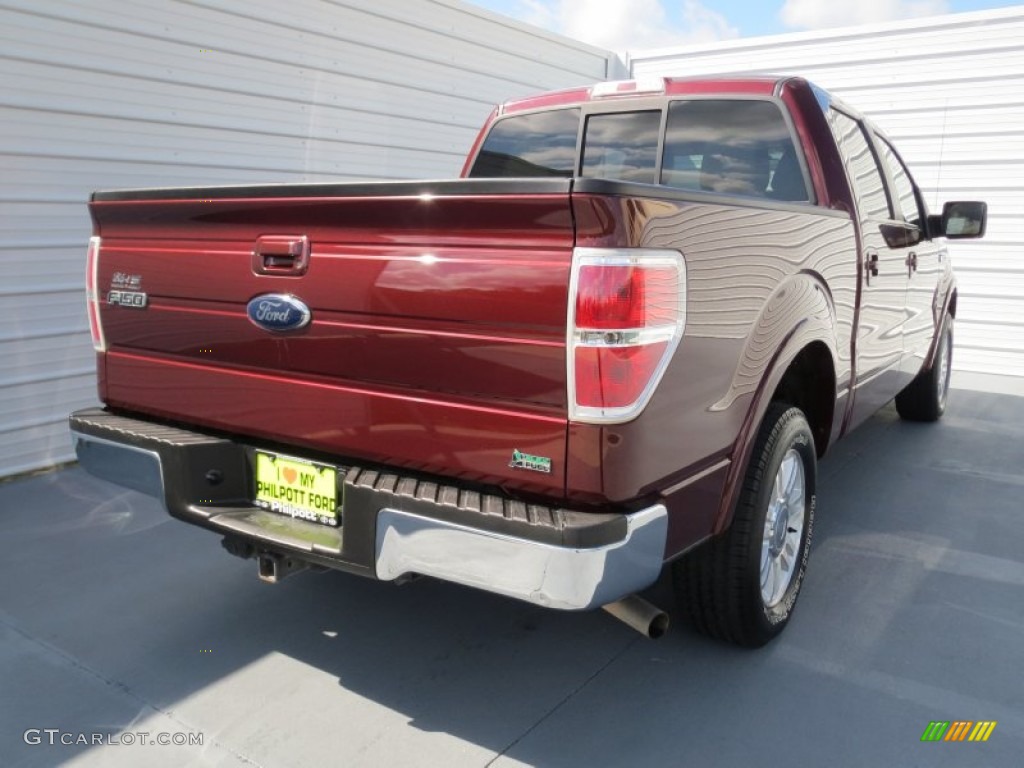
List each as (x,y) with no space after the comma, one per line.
(539,13)
(629,24)
(819,14)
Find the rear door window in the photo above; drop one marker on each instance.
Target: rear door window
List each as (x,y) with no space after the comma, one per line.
(863,167)
(733,147)
(531,145)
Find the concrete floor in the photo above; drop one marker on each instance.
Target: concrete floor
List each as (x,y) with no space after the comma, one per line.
(116,619)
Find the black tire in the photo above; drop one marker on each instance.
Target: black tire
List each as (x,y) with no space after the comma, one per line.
(925,397)
(719,585)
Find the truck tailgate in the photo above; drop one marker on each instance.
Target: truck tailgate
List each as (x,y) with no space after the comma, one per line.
(437,332)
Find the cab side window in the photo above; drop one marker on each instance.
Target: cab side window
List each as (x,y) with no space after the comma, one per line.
(906,199)
(865,173)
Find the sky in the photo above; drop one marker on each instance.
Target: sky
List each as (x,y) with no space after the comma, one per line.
(621,25)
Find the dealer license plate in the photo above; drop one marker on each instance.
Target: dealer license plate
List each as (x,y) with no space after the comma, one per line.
(297,488)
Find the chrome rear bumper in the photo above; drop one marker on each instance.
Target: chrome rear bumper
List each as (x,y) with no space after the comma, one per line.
(555,577)
(591,560)
(130,466)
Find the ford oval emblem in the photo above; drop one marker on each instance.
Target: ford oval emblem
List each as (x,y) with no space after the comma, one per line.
(278,312)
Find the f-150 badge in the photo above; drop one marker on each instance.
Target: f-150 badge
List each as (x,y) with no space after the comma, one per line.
(522,460)
(124,291)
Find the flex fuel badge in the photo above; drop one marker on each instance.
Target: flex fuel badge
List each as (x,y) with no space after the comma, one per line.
(522,460)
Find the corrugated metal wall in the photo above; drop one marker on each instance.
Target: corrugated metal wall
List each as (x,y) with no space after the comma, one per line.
(950,92)
(158,92)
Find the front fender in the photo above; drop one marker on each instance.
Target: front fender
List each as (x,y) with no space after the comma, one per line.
(943,304)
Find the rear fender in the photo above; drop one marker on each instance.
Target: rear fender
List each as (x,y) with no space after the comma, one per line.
(801,310)
(799,313)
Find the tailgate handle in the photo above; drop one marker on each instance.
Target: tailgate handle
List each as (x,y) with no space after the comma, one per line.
(280,255)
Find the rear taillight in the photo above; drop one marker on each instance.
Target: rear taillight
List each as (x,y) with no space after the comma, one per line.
(92,294)
(627,309)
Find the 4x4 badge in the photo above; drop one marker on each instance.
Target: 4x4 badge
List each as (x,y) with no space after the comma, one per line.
(522,460)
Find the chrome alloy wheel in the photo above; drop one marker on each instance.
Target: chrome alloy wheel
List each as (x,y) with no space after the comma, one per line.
(783,529)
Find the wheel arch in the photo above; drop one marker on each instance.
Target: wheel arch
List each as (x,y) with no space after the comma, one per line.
(948,307)
(803,374)
(809,383)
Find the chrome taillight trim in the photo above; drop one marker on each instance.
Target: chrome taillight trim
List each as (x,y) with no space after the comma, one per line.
(583,337)
(93,294)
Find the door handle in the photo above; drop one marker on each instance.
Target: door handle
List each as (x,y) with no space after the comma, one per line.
(281,255)
(911,262)
(870,267)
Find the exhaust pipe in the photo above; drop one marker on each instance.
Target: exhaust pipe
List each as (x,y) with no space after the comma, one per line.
(647,619)
(274,568)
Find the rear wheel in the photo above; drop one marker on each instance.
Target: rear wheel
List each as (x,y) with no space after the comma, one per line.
(925,397)
(742,585)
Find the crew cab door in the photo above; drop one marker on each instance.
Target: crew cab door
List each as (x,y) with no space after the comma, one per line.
(925,261)
(883,270)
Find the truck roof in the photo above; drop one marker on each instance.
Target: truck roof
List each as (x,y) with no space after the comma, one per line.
(654,85)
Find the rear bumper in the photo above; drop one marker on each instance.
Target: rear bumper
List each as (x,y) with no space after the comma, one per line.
(393,525)
(555,577)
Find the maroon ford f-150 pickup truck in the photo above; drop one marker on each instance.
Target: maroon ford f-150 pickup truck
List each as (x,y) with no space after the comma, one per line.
(621,341)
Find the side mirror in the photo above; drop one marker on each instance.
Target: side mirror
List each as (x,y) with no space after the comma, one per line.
(963,219)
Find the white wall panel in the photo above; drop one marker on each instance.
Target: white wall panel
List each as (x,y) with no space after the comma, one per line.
(950,92)
(110,94)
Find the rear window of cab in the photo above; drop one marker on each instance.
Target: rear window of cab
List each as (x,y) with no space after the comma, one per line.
(738,147)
